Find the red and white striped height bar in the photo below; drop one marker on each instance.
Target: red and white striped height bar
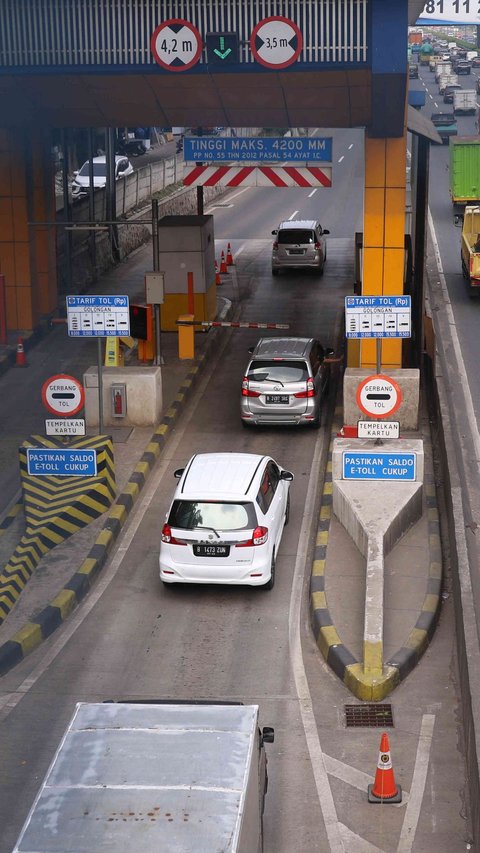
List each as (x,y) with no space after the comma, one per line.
(226,324)
(258,176)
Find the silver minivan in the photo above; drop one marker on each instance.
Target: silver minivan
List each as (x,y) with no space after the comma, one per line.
(285,382)
(299,243)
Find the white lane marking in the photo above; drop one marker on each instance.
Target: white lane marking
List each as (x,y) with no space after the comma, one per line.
(342,158)
(354,842)
(317,758)
(244,190)
(10,700)
(313,192)
(350,146)
(412,814)
(356,778)
(213,204)
(293,214)
(435,104)
(461,371)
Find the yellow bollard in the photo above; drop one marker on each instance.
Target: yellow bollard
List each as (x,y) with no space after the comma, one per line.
(186,337)
(113,353)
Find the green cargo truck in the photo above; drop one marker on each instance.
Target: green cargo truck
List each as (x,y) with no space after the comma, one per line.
(426,51)
(464,172)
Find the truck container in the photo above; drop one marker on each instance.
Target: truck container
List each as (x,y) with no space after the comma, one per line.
(416,98)
(442,68)
(415,37)
(464,172)
(465,102)
(136,777)
(446,80)
(470,252)
(445,125)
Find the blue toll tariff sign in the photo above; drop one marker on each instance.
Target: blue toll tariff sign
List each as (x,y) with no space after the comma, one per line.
(371,465)
(56,462)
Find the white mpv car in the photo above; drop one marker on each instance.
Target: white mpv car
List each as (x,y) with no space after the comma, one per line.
(226,520)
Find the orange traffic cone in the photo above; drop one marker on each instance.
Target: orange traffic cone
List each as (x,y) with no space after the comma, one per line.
(384,789)
(218,280)
(223,266)
(20,359)
(230,260)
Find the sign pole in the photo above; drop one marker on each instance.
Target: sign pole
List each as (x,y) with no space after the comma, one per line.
(379,355)
(100,386)
(158,360)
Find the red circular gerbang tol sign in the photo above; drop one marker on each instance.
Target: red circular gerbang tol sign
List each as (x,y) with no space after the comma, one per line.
(379,396)
(63,395)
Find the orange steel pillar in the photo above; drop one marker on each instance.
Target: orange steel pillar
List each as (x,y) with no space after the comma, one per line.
(27,254)
(383,238)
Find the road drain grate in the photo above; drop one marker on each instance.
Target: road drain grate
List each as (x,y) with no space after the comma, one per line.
(371,716)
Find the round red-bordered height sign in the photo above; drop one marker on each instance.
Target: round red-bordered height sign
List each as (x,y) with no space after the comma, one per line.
(276,42)
(63,395)
(176,45)
(379,396)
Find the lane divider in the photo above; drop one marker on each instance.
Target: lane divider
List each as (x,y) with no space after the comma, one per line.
(55,508)
(344,664)
(31,635)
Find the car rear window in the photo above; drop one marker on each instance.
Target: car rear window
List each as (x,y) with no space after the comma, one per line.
(271,370)
(295,235)
(219,515)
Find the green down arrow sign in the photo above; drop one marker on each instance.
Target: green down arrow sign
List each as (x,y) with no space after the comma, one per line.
(222,48)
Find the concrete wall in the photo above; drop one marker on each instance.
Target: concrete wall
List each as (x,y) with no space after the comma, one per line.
(143,394)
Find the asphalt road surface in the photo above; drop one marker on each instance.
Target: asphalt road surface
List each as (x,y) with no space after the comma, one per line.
(133,638)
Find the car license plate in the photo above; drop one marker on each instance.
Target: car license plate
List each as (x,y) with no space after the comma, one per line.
(277,398)
(297,251)
(211,550)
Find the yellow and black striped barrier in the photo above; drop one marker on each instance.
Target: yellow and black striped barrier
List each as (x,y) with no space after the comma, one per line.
(32,634)
(55,508)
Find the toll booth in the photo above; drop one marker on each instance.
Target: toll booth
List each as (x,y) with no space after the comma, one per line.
(187,245)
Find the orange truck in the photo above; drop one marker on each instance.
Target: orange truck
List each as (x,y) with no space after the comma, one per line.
(415,38)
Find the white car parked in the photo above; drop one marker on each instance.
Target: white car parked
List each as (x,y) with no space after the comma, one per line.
(226,520)
(81,182)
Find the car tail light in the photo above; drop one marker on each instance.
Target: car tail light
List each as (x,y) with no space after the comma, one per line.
(259,537)
(246,391)
(309,391)
(275,244)
(167,536)
(317,245)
